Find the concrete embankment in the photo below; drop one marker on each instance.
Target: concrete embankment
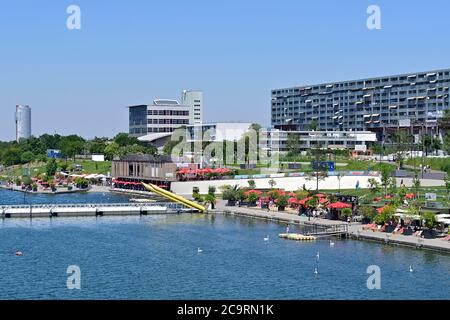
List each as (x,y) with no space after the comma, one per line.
(352,231)
(438,244)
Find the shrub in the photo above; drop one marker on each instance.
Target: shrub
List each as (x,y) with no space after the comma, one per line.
(429,219)
(367,212)
(282,201)
(346,212)
(252,197)
(301,194)
(211,190)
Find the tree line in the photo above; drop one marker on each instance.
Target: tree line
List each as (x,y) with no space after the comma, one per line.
(35,148)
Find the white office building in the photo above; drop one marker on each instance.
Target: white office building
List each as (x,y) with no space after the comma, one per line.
(194,99)
(163,116)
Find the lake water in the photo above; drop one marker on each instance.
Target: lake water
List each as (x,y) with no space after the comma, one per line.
(155,257)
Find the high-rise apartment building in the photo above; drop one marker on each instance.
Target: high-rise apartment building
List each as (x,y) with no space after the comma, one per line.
(23,122)
(414,99)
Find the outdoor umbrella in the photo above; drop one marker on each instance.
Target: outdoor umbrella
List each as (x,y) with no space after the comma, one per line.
(320,195)
(303,201)
(380,210)
(339,205)
(246,193)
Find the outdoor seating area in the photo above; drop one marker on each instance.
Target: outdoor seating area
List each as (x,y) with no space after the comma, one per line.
(186,174)
(301,202)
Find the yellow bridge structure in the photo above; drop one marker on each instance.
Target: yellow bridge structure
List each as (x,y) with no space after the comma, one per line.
(173,197)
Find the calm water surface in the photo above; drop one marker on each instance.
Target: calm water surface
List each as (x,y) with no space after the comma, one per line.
(155,257)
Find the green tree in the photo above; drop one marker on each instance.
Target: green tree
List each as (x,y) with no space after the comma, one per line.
(386,215)
(377,148)
(447,185)
(416,185)
(51,167)
(367,212)
(196,193)
(346,212)
(252,197)
(392,185)
(11,156)
(27,157)
(385,177)
(373,185)
(111,151)
(313,125)
(429,219)
(123,139)
(436,145)
(282,201)
(427,142)
(293,144)
(97,145)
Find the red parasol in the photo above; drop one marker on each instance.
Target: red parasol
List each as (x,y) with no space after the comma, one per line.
(339,205)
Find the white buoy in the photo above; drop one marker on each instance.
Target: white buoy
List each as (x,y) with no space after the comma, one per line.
(316,271)
(332,243)
(199,250)
(19,253)
(266,238)
(410,269)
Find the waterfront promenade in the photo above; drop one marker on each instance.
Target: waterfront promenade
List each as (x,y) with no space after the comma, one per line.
(353,230)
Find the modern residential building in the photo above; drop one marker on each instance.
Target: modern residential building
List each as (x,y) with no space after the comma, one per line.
(194,99)
(23,122)
(408,100)
(217,132)
(276,140)
(163,116)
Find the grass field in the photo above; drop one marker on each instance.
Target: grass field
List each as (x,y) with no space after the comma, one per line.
(442,164)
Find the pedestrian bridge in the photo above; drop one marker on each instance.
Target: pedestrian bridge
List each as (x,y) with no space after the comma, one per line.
(87,209)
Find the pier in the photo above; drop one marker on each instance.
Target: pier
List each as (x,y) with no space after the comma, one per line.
(90,210)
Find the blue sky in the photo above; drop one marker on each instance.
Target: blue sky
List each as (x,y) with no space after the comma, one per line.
(131,52)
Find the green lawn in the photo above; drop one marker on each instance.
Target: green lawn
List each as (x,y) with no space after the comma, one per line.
(442,164)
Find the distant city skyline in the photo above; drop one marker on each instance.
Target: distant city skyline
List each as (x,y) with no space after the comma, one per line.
(80,81)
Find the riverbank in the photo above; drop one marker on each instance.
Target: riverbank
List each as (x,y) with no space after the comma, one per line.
(353,230)
(40,191)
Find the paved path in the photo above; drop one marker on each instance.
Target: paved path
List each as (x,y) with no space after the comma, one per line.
(355,231)
(279,216)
